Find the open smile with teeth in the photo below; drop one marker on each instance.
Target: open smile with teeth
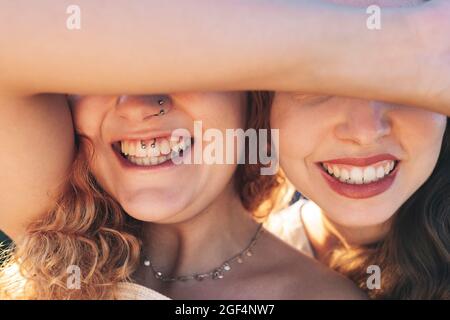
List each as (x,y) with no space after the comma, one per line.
(153,152)
(360,175)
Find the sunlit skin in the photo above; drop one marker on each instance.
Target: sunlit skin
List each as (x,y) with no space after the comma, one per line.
(157,195)
(333,128)
(315,128)
(34,113)
(37,123)
(194,219)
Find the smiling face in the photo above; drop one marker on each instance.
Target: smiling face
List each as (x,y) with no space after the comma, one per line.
(358,160)
(134,150)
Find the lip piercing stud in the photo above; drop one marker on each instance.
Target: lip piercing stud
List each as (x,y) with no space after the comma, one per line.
(143,145)
(153,145)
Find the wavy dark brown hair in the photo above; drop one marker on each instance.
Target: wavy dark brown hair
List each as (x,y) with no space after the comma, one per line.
(89,229)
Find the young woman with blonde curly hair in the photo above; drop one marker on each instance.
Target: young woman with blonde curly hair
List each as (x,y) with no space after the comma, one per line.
(84,212)
(136,224)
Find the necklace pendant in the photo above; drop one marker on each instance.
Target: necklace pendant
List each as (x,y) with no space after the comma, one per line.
(199,277)
(217,275)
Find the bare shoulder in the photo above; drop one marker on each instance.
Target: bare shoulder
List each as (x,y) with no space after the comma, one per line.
(313,280)
(299,277)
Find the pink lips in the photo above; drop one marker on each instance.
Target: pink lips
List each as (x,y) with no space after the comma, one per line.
(360,191)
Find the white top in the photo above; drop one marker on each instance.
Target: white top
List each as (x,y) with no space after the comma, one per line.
(288,226)
(134,291)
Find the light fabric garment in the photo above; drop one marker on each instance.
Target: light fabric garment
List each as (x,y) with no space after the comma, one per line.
(125,290)
(288,226)
(134,291)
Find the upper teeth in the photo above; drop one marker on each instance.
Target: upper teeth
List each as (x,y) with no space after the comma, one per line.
(360,175)
(154,150)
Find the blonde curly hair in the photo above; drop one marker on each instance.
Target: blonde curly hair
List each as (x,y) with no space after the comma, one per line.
(89,229)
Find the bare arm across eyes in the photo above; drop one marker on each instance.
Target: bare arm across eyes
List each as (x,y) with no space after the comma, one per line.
(149,46)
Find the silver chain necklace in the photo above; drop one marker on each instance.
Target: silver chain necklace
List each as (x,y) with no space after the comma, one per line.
(217,273)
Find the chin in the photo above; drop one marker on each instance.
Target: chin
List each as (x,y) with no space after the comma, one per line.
(351,217)
(151,208)
(152,213)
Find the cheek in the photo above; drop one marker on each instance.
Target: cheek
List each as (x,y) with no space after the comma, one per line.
(230,112)
(218,113)
(215,110)
(421,134)
(299,131)
(299,137)
(87,119)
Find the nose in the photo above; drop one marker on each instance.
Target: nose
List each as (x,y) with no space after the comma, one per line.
(142,107)
(365,124)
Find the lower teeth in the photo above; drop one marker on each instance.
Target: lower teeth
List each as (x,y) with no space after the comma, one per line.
(152,162)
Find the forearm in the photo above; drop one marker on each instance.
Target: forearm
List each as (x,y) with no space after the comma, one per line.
(406,62)
(352,60)
(155,46)
(161,46)
(197,45)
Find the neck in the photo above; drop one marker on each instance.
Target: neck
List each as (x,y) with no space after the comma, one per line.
(326,235)
(201,243)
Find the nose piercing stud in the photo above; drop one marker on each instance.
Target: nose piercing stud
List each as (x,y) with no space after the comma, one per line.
(162,111)
(161,102)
